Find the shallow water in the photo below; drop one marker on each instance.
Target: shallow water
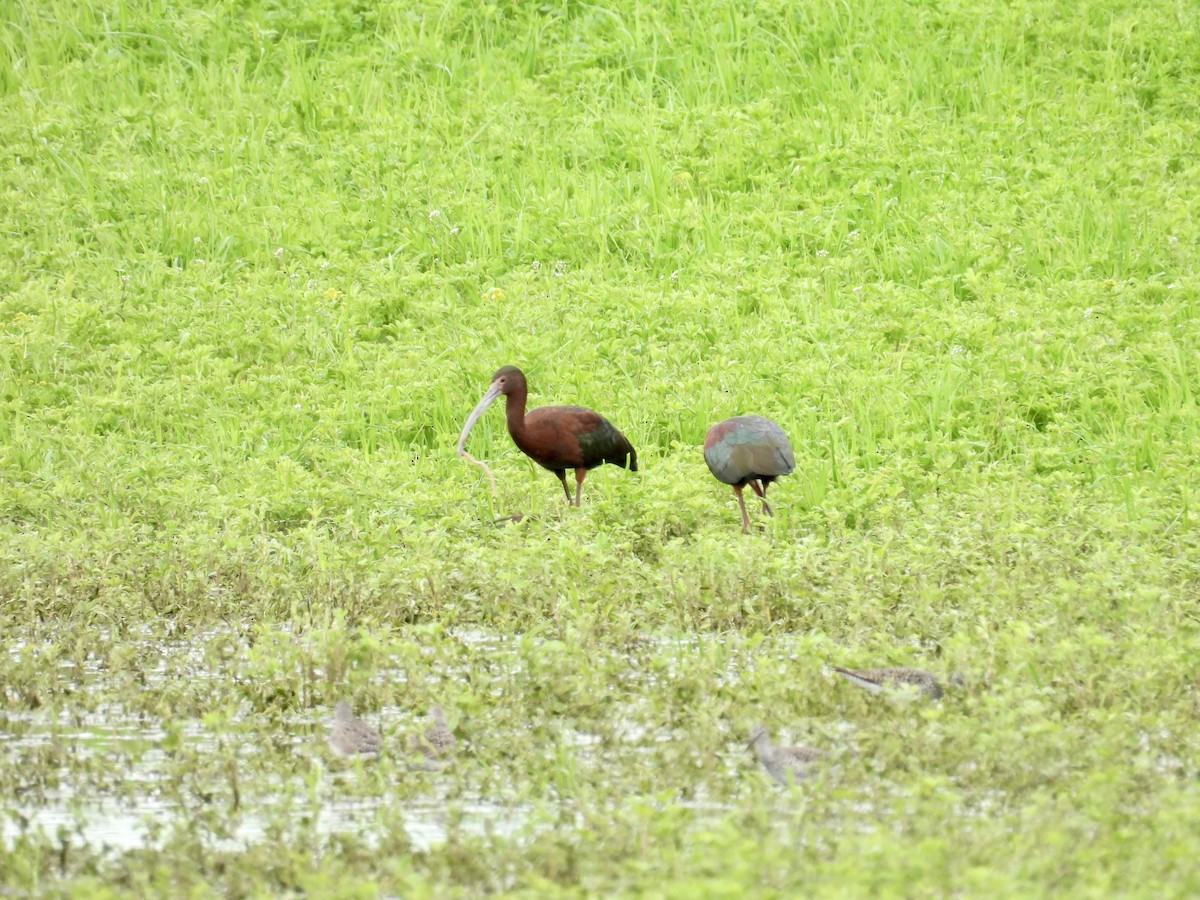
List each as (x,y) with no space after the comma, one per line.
(116,826)
(94,768)
(136,814)
(94,774)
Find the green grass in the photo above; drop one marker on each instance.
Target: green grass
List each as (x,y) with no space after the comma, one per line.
(257,263)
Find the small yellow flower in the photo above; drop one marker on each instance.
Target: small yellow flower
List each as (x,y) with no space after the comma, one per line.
(333,294)
(495,294)
(684,179)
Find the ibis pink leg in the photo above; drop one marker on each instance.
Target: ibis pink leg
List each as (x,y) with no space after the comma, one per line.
(761,490)
(580,474)
(737,489)
(562,476)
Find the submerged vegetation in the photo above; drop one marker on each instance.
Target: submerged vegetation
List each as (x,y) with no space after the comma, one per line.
(257,261)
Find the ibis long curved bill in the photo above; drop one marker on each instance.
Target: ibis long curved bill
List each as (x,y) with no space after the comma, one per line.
(492,393)
(485,401)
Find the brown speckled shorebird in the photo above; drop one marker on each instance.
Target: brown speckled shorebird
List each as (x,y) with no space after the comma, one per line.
(899,679)
(351,736)
(432,750)
(786,765)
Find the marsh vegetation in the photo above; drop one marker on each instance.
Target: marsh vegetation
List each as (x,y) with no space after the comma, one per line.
(258,260)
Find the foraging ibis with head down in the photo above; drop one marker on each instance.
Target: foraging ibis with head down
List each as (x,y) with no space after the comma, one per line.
(555,437)
(749,450)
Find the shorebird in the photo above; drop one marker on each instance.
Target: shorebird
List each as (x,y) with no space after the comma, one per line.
(786,765)
(351,736)
(435,746)
(898,679)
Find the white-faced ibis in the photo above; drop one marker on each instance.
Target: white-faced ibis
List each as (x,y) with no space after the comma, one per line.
(898,679)
(555,437)
(351,736)
(749,450)
(785,764)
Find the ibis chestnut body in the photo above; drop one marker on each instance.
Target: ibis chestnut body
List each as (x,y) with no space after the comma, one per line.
(555,437)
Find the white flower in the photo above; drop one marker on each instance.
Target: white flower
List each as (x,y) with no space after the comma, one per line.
(278,252)
(434,214)
(822,253)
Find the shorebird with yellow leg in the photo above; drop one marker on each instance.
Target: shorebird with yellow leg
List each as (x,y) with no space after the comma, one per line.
(898,681)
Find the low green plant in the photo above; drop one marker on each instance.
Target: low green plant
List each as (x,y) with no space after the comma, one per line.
(258,262)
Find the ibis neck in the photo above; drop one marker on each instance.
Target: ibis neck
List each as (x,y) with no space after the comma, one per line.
(514,410)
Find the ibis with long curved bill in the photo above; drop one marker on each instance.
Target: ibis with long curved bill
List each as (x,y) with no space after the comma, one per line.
(555,437)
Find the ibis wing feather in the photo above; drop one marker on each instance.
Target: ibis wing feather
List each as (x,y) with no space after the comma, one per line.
(747,447)
(605,444)
(573,437)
